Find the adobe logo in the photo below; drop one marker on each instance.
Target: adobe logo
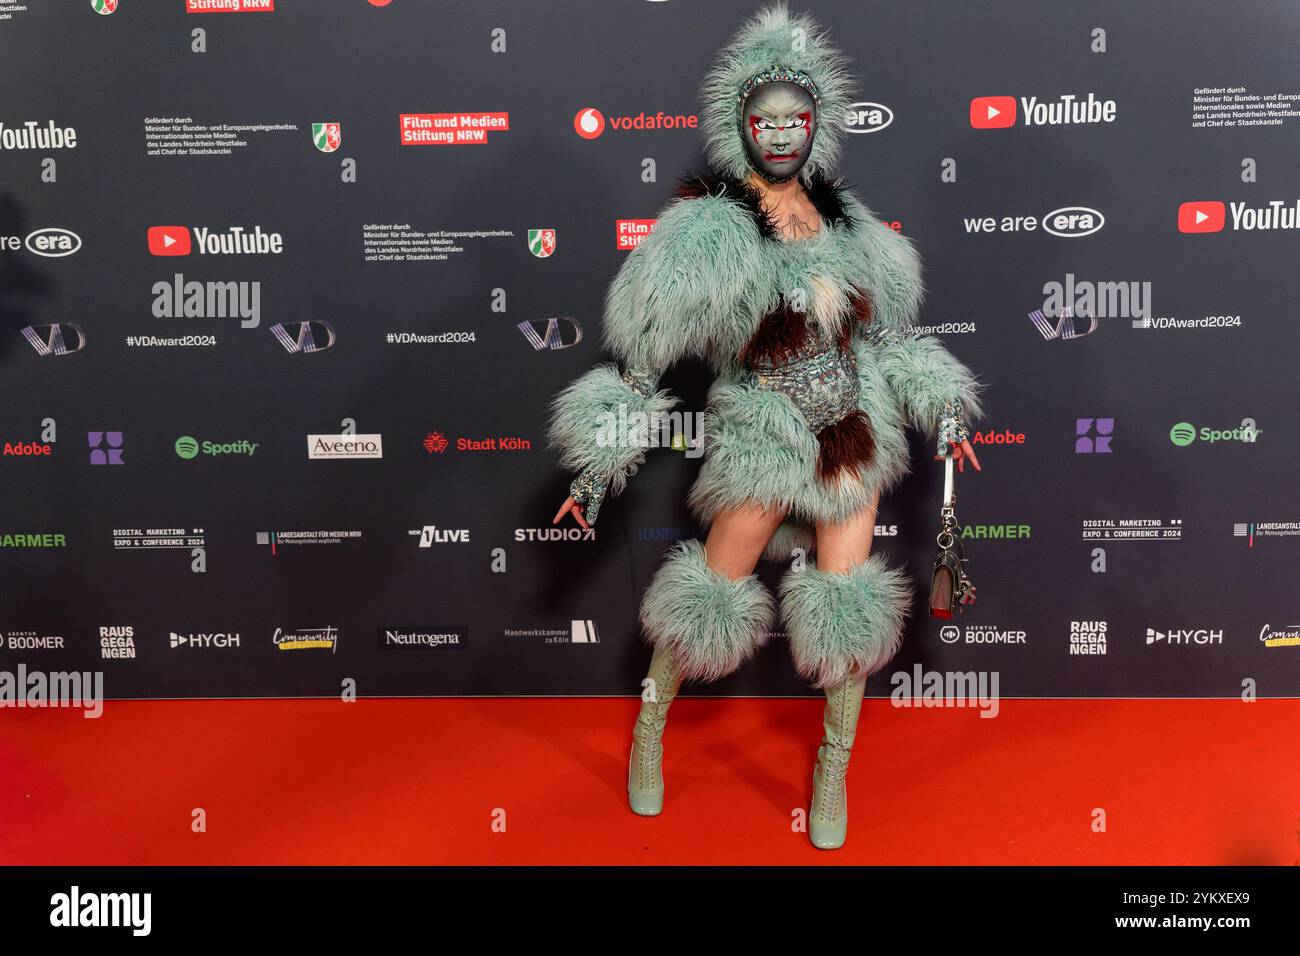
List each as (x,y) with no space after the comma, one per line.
(1201,216)
(169,240)
(992,112)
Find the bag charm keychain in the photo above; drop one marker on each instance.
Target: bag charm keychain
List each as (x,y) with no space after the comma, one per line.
(950,588)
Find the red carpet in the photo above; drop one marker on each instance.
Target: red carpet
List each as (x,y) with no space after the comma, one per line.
(418,781)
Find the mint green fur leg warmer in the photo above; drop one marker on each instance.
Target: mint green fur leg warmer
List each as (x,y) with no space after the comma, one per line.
(712,623)
(841,623)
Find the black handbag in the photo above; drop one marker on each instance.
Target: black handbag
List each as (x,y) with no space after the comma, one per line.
(950,588)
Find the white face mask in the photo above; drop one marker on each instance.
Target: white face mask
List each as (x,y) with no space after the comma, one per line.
(779,121)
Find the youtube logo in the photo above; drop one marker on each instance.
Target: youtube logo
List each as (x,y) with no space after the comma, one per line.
(169,241)
(1201,216)
(992,112)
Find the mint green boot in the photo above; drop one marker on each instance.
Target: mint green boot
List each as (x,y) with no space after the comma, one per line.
(828,818)
(645,778)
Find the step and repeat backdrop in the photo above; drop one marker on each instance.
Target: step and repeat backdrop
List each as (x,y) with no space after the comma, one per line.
(286,288)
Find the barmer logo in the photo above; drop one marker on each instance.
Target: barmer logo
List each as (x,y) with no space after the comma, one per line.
(322,447)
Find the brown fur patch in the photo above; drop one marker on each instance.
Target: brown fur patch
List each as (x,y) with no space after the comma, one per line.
(780,335)
(848,443)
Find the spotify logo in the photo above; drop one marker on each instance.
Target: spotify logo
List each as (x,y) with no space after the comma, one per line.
(1184,433)
(188,448)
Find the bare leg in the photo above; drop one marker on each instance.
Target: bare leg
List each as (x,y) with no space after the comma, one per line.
(737,539)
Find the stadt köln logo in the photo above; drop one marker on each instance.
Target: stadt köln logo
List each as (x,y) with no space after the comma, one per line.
(327,136)
(541,242)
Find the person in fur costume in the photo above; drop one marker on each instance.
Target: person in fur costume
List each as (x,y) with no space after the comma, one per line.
(802,303)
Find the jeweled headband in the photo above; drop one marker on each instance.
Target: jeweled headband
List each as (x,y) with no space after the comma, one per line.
(779,74)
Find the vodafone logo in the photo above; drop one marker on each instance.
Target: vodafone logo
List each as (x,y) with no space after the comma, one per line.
(589,123)
(169,241)
(1201,216)
(993,112)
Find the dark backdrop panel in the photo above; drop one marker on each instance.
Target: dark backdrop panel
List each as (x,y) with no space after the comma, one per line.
(491,575)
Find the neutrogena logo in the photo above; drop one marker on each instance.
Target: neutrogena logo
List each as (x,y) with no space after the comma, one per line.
(1207,215)
(1000,112)
(321,447)
(232,241)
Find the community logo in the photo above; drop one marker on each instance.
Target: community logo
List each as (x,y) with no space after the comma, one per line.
(326,136)
(541,242)
(1288,636)
(307,639)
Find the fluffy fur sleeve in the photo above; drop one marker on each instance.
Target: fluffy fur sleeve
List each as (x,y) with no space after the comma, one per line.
(932,386)
(688,285)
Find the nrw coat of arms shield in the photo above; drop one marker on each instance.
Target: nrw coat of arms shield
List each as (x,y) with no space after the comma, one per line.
(541,242)
(327,136)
